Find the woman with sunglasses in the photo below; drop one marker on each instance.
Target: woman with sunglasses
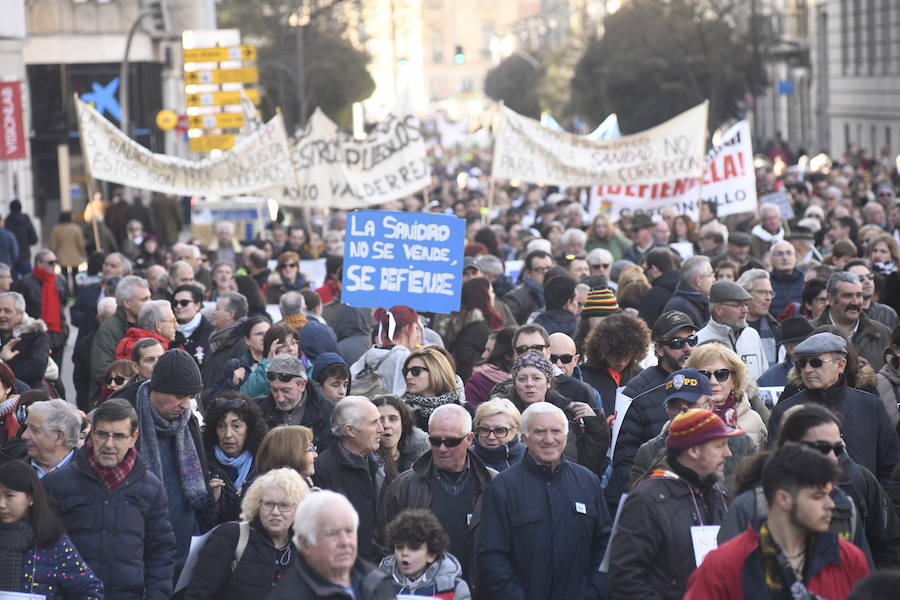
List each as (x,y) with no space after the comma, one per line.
(468,329)
(614,350)
(285,278)
(36,555)
(496,363)
(496,426)
(119,373)
(288,446)
(402,443)
(193,329)
(862,512)
(732,390)
(430,382)
(267,520)
(233,430)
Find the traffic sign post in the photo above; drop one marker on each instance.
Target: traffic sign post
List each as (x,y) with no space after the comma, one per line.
(246,53)
(221,98)
(217,76)
(216,121)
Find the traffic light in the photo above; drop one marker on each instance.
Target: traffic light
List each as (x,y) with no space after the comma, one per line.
(160,23)
(459,57)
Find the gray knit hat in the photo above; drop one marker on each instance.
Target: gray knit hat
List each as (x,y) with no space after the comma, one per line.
(176,373)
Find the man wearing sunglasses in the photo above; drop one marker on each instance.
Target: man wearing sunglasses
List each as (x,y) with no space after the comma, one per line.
(449,480)
(820,361)
(729,303)
(292,401)
(45,298)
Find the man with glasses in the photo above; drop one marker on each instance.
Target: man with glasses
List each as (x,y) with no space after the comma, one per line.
(528,296)
(115,509)
(674,338)
(820,361)
(787,280)
(45,298)
(291,401)
(759,284)
(544,527)
(600,262)
(449,480)
(876,311)
(728,326)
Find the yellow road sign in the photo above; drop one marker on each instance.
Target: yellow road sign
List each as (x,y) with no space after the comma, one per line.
(242,75)
(216,121)
(166,119)
(221,98)
(219,54)
(208,143)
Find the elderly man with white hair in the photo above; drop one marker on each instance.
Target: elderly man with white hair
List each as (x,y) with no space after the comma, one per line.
(544,521)
(51,435)
(325,533)
(768,231)
(352,465)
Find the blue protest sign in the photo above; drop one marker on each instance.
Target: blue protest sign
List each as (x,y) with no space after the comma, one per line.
(397,258)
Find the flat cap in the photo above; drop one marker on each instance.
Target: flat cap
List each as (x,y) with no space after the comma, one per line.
(641,221)
(821,343)
(728,291)
(287,364)
(739,238)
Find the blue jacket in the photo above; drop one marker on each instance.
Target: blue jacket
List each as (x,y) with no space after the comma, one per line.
(776,375)
(788,287)
(557,320)
(124,535)
(690,302)
(543,533)
(59,573)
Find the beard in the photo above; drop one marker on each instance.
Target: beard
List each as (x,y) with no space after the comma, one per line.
(797,522)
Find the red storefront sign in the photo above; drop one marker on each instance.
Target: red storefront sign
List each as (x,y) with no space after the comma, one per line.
(12,130)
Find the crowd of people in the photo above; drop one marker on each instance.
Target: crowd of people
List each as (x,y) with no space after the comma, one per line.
(724,389)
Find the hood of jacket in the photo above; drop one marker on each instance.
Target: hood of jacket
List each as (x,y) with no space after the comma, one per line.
(891,368)
(29,325)
(442,574)
(692,295)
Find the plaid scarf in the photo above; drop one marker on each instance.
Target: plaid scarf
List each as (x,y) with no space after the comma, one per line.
(111,477)
(778,571)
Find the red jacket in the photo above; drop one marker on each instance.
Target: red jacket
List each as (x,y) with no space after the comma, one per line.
(734,570)
(123,350)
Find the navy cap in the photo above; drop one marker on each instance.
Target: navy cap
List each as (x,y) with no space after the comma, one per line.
(688,385)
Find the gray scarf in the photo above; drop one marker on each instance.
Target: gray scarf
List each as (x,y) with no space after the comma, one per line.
(15,539)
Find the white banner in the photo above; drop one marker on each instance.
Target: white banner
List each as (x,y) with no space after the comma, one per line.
(728,180)
(335,170)
(527,151)
(260,161)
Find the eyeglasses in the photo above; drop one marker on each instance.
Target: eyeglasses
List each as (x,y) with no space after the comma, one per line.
(720,375)
(50,262)
(540,269)
(282,507)
(416,371)
(766,293)
(815,363)
(678,343)
(312,449)
(825,447)
(282,377)
(182,303)
(563,358)
(533,347)
(289,266)
(103,436)
(499,432)
(449,442)
(118,379)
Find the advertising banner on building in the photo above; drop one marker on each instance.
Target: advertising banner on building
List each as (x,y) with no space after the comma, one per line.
(13,139)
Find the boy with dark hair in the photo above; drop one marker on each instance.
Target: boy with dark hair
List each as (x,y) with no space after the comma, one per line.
(332,374)
(420,564)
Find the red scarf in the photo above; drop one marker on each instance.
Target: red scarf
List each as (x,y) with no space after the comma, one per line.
(50,310)
(114,477)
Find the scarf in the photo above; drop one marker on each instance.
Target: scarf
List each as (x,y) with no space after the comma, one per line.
(778,571)
(188,329)
(765,236)
(490,372)
(241,463)
(727,411)
(423,406)
(15,539)
(885,268)
(192,483)
(111,477)
(50,311)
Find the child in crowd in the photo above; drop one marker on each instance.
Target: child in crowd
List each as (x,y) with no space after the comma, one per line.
(333,376)
(420,564)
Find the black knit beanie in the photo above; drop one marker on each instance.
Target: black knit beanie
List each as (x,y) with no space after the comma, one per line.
(176,373)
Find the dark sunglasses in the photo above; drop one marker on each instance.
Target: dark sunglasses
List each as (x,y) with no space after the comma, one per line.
(416,371)
(499,432)
(182,303)
(282,377)
(288,265)
(118,379)
(600,266)
(229,402)
(563,358)
(815,363)
(533,347)
(449,442)
(825,447)
(50,262)
(720,375)
(678,343)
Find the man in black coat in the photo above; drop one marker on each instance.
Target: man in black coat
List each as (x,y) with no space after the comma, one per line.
(664,278)
(692,294)
(528,296)
(84,311)
(352,465)
(20,225)
(227,341)
(115,510)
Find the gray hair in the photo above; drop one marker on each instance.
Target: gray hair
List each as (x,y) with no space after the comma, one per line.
(750,276)
(41,254)
(106,307)
(126,263)
(767,207)
(693,268)
(128,286)
(490,265)
(831,288)
(445,411)
(292,303)
(151,314)
(179,264)
(542,408)
(18,300)
(315,506)
(4,269)
(235,303)
(598,255)
(194,250)
(348,411)
(573,235)
(59,415)
(223,225)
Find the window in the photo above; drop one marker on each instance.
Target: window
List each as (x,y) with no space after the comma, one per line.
(857,37)
(886,36)
(872,32)
(845,37)
(437,47)
(487,34)
(887,137)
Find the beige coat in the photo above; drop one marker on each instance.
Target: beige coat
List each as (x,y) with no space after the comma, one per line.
(67,242)
(750,421)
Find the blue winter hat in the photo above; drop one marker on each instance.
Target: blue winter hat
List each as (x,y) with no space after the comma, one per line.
(316,339)
(325,360)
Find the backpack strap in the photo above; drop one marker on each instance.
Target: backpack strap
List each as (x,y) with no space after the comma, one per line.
(381,360)
(243,538)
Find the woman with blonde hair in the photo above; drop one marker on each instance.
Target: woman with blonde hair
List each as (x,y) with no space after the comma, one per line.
(266,526)
(288,446)
(733,389)
(603,234)
(496,427)
(430,382)
(630,274)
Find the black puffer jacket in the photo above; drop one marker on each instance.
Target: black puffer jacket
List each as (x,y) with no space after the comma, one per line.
(228,508)
(261,567)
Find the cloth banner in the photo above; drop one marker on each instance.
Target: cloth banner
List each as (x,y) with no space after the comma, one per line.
(398,258)
(728,179)
(14,140)
(526,151)
(260,161)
